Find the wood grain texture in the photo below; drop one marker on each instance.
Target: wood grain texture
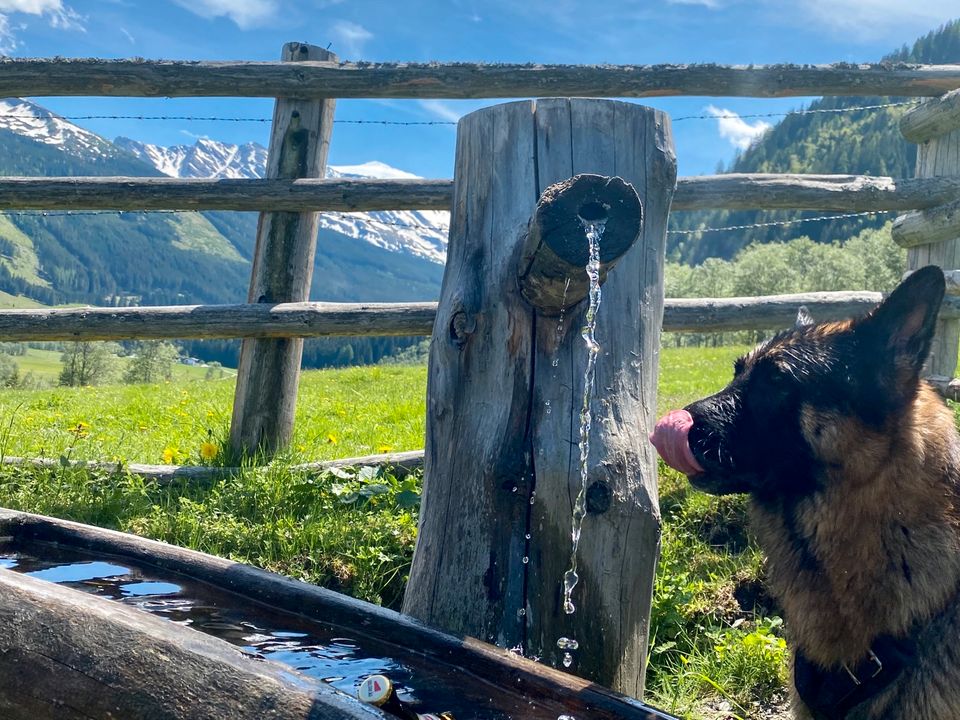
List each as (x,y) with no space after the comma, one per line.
(934,225)
(69,655)
(257,320)
(306,320)
(932,119)
(527,689)
(264,194)
(467,576)
(937,157)
(498,465)
(268,373)
(37,77)
(760,191)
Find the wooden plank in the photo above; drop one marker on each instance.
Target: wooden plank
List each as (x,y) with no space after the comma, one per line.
(619,543)
(39,77)
(268,374)
(933,225)
(937,157)
(389,319)
(932,119)
(266,194)
(400,463)
(545,693)
(841,193)
(259,320)
(66,654)
(500,474)
(467,576)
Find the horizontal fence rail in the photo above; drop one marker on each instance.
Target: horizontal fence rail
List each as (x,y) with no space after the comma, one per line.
(848,193)
(315,319)
(159,78)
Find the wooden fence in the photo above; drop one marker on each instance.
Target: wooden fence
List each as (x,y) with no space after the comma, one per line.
(277,315)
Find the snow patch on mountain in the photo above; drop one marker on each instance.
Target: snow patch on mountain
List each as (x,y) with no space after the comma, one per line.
(205,158)
(419,233)
(37,123)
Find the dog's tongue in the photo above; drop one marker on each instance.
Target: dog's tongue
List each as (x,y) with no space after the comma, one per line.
(669,437)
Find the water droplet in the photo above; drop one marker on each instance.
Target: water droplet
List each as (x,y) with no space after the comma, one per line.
(521,612)
(526,560)
(567,660)
(527,536)
(566,643)
(555,362)
(514,489)
(566,717)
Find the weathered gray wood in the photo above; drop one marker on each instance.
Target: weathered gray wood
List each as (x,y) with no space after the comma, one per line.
(538,692)
(933,225)
(499,465)
(400,463)
(273,194)
(841,193)
(932,119)
(162,78)
(68,655)
(936,158)
(552,269)
(268,374)
(261,320)
(308,320)
(466,575)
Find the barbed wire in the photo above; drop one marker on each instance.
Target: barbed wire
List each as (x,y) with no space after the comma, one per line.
(435,228)
(363,121)
(814,111)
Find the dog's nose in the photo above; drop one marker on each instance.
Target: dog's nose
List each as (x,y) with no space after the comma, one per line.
(671,439)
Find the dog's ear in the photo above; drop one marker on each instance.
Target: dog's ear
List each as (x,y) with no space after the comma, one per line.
(804,318)
(900,329)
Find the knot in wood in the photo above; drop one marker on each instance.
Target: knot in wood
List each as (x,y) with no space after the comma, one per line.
(599,497)
(462,326)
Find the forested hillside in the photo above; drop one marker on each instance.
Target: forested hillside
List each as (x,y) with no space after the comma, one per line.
(864,142)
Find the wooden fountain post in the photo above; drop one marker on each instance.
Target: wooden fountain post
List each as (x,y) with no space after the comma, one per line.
(505,386)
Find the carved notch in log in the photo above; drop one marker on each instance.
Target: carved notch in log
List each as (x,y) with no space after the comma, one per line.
(553,273)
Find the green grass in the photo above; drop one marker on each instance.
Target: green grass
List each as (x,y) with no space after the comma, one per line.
(355,531)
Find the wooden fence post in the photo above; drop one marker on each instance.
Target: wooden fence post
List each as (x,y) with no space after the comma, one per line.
(933,236)
(504,392)
(269,370)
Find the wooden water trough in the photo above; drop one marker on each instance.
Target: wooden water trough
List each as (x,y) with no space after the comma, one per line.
(70,654)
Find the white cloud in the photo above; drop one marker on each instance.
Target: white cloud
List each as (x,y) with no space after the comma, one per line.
(56,13)
(245,13)
(441,110)
(738,131)
(875,19)
(352,37)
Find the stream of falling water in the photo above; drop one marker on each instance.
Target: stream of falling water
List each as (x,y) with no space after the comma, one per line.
(594,231)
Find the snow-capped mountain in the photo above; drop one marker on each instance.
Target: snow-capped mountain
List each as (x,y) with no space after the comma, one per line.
(419,233)
(37,123)
(205,158)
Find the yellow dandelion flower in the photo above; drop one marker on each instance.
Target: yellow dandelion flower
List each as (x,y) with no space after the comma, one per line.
(209,450)
(332,439)
(169,455)
(384,448)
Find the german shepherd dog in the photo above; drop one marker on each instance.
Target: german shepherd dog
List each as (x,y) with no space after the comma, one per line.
(852,464)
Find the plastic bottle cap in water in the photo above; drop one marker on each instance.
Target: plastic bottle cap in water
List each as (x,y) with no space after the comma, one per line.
(375,690)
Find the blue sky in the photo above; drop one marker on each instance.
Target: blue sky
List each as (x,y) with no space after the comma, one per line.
(548,31)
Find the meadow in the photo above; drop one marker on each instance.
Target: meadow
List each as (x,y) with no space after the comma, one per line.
(717,646)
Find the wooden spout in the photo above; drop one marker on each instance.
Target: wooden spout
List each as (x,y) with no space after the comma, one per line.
(552,269)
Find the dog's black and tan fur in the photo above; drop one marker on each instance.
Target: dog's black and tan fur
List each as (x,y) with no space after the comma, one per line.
(853,468)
